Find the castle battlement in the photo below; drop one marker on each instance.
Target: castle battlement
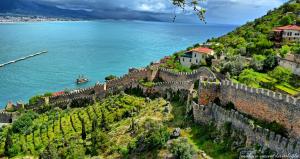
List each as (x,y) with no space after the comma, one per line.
(254,133)
(262,92)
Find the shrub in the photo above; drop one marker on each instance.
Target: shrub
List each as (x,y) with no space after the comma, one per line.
(23,124)
(154,136)
(182,149)
(257,62)
(35,99)
(281,74)
(110,77)
(48,94)
(270,62)
(249,77)
(296,48)
(286,20)
(285,49)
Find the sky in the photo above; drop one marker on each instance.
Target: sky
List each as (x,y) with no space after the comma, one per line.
(218,11)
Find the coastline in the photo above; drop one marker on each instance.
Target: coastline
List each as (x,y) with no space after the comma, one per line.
(48,21)
(13,19)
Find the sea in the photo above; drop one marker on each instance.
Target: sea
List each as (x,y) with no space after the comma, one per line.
(94,49)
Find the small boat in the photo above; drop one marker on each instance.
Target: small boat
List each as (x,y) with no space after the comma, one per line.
(81,79)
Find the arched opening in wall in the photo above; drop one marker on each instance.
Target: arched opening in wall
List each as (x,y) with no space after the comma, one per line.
(158,79)
(217,101)
(196,84)
(229,106)
(10,120)
(92,92)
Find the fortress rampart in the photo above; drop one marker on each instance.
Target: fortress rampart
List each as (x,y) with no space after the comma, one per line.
(132,78)
(254,134)
(169,75)
(6,117)
(259,103)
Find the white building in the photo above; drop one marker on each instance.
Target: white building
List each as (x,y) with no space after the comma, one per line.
(292,62)
(195,56)
(289,33)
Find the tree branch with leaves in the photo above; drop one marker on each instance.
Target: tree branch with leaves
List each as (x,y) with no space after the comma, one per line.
(193,4)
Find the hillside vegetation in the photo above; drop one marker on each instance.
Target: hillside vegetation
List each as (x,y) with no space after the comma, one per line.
(255,38)
(121,126)
(251,54)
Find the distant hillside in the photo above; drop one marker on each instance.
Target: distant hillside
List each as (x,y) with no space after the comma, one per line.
(34,8)
(27,7)
(7,5)
(255,37)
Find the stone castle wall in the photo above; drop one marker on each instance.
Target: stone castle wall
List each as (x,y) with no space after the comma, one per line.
(134,75)
(255,135)
(263,104)
(259,103)
(169,75)
(5,117)
(132,78)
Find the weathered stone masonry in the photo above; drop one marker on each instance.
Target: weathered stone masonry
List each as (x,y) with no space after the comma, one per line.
(259,103)
(254,135)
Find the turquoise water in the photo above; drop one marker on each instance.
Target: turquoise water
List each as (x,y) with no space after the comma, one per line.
(95,49)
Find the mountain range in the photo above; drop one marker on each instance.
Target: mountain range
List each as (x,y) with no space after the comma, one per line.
(34,8)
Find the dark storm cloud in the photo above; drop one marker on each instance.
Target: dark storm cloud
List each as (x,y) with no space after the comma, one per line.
(218,11)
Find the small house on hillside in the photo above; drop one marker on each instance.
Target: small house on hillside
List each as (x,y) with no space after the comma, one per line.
(195,56)
(288,33)
(292,62)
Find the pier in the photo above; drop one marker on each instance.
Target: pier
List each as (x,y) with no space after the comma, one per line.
(23,58)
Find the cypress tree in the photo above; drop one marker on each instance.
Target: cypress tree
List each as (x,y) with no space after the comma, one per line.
(83,131)
(94,138)
(103,121)
(8,143)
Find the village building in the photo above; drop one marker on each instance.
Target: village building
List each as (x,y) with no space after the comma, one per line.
(195,56)
(287,33)
(292,62)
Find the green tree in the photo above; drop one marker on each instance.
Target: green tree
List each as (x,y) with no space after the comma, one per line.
(281,74)
(257,62)
(296,48)
(110,77)
(50,152)
(285,49)
(270,62)
(83,131)
(182,149)
(73,151)
(104,123)
(23,124)
(94,148)
(286,20)
(8,143)
(35,99)
(194,4)
(153,136)
(248,76)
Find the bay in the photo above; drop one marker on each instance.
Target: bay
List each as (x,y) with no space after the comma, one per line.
(92,48)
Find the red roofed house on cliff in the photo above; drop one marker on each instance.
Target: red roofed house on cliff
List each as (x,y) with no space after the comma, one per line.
(288,33)
(195,56)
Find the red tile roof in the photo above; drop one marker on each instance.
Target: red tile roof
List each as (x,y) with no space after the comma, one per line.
(288,27)
(203,50)
(58,93)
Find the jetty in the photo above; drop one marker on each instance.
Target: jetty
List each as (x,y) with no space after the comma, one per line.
(23,58)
